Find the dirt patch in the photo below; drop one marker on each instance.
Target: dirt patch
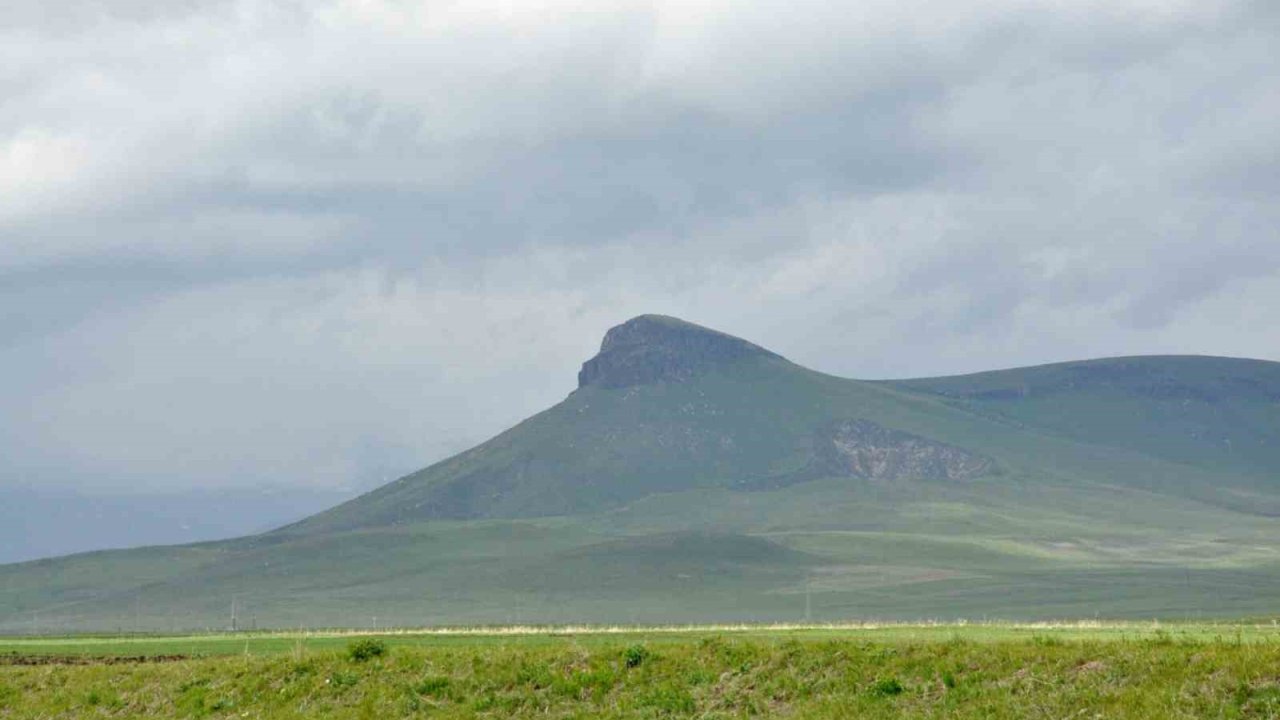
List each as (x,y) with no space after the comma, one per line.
(31,660)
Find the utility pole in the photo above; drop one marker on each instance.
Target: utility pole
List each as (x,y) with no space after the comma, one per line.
(233,613)
(808,598)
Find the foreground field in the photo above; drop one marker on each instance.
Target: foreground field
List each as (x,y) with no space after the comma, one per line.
(1138,671)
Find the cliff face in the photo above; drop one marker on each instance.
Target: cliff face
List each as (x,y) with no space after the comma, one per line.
(656,348)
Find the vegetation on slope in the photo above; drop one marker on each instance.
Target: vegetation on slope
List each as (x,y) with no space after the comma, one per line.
(668,406)
(696,477)
(1218,413)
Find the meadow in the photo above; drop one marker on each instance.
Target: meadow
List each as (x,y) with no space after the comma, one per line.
(1138,670)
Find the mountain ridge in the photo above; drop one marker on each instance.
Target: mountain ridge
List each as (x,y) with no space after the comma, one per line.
(579,455)
(694,476)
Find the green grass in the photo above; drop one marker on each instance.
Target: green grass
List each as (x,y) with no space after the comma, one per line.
(1107,670)
(1219,413)
(993,549)
(1262,631)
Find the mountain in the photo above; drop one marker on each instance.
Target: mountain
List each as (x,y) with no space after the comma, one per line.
(695,476)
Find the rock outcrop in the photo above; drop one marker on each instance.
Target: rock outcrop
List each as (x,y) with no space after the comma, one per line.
(869,451)
(657,348)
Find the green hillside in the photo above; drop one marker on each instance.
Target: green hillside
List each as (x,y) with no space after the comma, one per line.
(758,421)
(693,476)
(1216,413)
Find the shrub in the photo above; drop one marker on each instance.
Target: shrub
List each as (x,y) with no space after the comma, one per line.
(366,649)
(887,688)
(635,655)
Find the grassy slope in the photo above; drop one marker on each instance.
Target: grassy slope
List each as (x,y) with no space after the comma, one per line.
(909,552)
(755,422)
(956,673)
(663,532)
(1217,413)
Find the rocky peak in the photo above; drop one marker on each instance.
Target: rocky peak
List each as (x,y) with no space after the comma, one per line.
(657,348)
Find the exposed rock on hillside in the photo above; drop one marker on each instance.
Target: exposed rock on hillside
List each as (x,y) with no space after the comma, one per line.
(863,449)
(657,348)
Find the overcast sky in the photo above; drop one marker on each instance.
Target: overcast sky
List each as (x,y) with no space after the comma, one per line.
(268,242)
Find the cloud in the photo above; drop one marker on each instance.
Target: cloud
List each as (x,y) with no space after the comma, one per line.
(271,242)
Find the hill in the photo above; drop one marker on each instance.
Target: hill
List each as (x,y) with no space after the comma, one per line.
(694,476)
(1212,412)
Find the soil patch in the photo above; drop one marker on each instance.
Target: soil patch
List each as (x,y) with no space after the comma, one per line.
(27,660)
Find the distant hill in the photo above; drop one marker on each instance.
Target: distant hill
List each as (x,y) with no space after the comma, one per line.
(45,522)
(693,475)
(1214,412)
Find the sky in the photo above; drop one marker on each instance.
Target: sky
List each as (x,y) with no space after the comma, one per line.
(276,243)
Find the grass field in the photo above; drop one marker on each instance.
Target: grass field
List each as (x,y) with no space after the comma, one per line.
(1139,670)
(993,549)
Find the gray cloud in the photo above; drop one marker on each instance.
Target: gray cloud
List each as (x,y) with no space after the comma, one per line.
(267,242)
